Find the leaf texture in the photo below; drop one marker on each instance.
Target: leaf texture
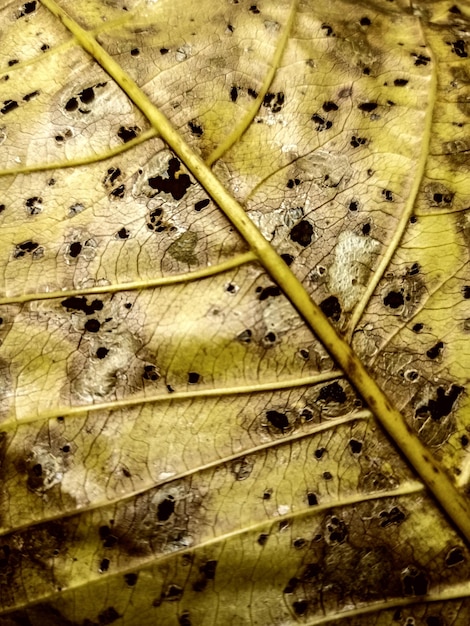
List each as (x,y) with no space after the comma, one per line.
(178,447)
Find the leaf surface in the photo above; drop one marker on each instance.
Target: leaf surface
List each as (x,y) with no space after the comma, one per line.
(178,446)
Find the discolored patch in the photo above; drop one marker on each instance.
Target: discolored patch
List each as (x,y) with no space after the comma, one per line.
(182,249)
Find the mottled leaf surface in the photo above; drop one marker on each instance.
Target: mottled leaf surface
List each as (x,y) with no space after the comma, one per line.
(176,445)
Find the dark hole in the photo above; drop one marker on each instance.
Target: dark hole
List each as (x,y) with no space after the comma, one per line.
(466,292)
(329,106)
(270,338)
(66,448)
(319,452)
(92,326)
(287,258)
(166,509)
(28,7)
(367,106)
(454,557)
(135,52)
(12,62)
(400,82)
(357,141)
(30,96)
(365,21)
(355,445)
(464,441)
(87,95)
(417,328)
(23,248)
(415,584)
(208,569)
(164,51)
(267,495)
(196,129)
(123,233)
(331,308)
(366,229)
(455,9)
(104,565)
(414,269)
(299,543)
(201,204)
(307,414)
(262,539)
(394,299)
(300,607)
(102,352)
(233,93)
(388,195)
(269,292)
(302,233)
(435,351)
(327,475)
(173,592)
(245,336)
(2,208)
(312,499)
(252,93)
(305,355)
(291,585)
(184,619)
(150,373)
(193,378)
(441,406)
(75,249)
(37,469)
(277,419)
(176,185)
(254,9)
(366,71)
(71,104)
(433,620)
(131,579)
(333,392)
(119,192)
(353,206)
(127,133)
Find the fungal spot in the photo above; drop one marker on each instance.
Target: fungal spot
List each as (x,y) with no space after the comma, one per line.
(135,52)
(92,326)
(454,557)
(245,336)
(458,47)
(127,133)
(269,292)
(414,582)
(277,420)
(355,446)
(358,141)
(24,248)
(435,351)
(400,82)
(329,106)
(176,184)
(332,393)
(274,101)
(302,233)
(287,258)
(441,406)
(233,93)
(394,299)
(201,204)
(312,499)
(196,129)
(331,308)
(165,509)
(193,378)
(101,353)
(394,516)
(79,303)
(367,106)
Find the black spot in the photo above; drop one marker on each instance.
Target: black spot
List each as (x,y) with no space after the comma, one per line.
(329,31)
(278,420)
(394,516)
(150,373)
(321,123)
(420,59)
(302,233)
(367,106)
(127,133)
(87,95)
(164,51)
(104,565)
(394,299)
(454,557)
(27,8)
(332,393)
(254,9)
(455,9)
(337,530)
(291,585)
(119,192)
(79,303)
(458,48)
(464,441)
(414,582)
(270,337)
(245,336)
(274,101)
(201,204)
(267,495)
(307,413)
(252,93)
(108,616)
(417,328)
(2,208)
(327,475)
(8,105)
(71,104)
(131,579)
(331,308)
(74,249)
(355,445)
(208,569)
(287,258)
(45,47)
(184,619)
(319,452)
(466,292)
(269,292)
(196,129)
(30,96)
(33,205)
(102,352)
(293,182)
(12,62)
(299,543)
(366,229)
(358,141)
(312,499)
(366,71)
(415,269)
(193,378)
(435,351)
(165,509)
(400,82)
(123,233)
(365,21)
(262,539)
(176,186)
(135,52)
(353,206)
(233,93)
(388,195)
(92,326)
(329,106)
(441,406)
(23,248)
(300,607)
